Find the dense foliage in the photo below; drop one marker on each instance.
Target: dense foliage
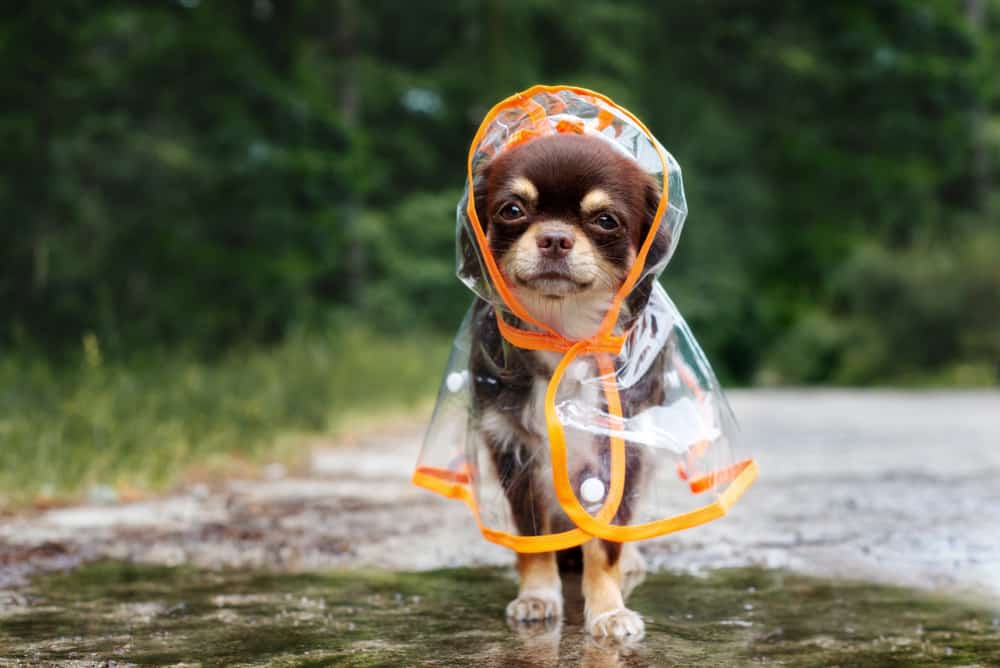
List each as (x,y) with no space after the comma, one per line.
(148,422)
(205,173)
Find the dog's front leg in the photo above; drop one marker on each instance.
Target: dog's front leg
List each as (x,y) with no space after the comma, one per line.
(605,613)
(540,592)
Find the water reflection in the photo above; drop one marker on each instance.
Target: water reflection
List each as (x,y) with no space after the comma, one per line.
(564,642)
(130,614)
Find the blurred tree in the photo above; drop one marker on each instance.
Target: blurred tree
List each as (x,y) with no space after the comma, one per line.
(201,173)
(172,171)
(854,120)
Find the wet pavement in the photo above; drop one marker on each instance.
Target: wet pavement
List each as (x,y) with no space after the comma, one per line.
(120,614)
(897,488)
(894,487)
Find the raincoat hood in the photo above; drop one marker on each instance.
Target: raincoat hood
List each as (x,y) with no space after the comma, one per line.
(635,420)
(542,111)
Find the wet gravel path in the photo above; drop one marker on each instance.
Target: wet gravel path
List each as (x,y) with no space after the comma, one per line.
(897,487)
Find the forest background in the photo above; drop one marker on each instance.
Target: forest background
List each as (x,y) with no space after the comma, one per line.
(224,221)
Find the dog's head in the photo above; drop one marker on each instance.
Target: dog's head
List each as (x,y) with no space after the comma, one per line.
(565,216)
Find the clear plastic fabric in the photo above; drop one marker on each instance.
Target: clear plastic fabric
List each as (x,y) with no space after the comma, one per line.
(634,436)
(548,112)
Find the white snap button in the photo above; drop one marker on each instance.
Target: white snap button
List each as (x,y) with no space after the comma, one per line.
(454,381)
(592,490)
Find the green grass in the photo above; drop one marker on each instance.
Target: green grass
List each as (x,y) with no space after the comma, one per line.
(142,423)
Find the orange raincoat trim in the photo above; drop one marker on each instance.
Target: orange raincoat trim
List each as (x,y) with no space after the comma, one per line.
(603,346)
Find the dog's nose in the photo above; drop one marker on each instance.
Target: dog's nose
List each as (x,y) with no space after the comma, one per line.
(555,244)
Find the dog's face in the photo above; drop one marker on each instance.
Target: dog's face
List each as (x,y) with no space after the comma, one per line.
(565,216)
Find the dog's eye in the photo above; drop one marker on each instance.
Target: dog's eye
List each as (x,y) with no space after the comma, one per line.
(511,212)
(606,221)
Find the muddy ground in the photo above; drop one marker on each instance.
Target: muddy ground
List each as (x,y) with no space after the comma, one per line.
(894,487)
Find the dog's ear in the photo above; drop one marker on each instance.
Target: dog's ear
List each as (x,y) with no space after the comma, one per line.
(662,240)
(471,266)
(639,297)
(482,183)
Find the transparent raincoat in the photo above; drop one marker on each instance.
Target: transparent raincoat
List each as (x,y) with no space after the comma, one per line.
(667,451)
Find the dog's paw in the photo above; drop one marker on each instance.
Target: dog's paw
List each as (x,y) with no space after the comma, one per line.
(619,624)
(535,605)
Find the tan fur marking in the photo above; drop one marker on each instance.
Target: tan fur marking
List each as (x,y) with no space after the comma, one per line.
(538,571)
(540,594)
(601,582)
(523,187)
(605,614)
(593,201)
(523,258)
(573,314)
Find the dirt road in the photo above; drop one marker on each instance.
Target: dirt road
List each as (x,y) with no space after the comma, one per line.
(899,487)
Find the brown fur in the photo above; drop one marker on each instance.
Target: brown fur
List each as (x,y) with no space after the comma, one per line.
(546,207)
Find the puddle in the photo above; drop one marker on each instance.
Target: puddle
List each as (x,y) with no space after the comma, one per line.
(122,614)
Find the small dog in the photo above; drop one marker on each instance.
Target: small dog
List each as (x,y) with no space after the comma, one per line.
(565,216)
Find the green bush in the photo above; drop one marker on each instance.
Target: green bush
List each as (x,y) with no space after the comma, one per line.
(144,420)
(926,314)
